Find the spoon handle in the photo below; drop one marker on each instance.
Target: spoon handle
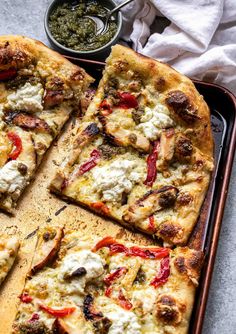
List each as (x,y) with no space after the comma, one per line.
(120,6)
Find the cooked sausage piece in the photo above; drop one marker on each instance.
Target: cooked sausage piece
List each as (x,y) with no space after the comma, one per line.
(180,103)
(53,98)
(183,148)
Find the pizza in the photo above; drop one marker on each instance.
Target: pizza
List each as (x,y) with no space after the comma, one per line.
(78,284)
(9,246)
(38,91)
(143,152)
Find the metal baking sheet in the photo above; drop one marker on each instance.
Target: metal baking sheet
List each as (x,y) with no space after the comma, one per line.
(38,207)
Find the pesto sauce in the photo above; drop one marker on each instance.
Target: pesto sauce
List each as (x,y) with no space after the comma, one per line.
(74,30)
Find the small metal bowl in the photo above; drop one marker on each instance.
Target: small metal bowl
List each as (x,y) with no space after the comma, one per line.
(100,53)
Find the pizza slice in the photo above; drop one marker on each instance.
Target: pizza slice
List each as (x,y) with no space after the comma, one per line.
(107,286)
(143,154)
(38,91)
(9,246)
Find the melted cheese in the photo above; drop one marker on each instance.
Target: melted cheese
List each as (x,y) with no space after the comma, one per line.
(147,297)
(123,321)
(28,98)
(154,120)
(11,180)
(116,178)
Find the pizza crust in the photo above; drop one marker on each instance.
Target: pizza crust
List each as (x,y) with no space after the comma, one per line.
(9,246)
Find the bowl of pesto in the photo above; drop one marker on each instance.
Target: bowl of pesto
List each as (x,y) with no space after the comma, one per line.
(73,27)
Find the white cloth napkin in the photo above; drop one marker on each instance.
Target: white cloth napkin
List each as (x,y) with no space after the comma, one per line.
(200,40)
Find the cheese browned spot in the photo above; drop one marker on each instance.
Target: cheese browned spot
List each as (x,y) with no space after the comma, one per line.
(160,84)
(169,230)
(190,266)
(168,311)
(184,198)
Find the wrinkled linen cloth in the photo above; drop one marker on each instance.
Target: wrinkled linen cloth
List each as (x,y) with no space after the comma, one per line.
(200,40)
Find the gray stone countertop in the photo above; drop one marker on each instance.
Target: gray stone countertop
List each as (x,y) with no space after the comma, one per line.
(25,17)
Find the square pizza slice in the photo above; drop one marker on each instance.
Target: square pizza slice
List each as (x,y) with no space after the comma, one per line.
(144,152)
(38,91)
(82,285)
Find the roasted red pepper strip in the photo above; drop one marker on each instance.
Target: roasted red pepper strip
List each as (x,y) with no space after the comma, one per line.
(151,225)
(108,291)
(101,207)
(16,141)
(7,74)
(105,242)
(110,278)
(151,164)
(163,274)
(106,108)
(123,302)
(25,298)
(91,163)
(57,313)
(118,248)
(146,253)
(127,101)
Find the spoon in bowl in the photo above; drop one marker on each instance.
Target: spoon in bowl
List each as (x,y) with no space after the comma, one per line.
(101,21)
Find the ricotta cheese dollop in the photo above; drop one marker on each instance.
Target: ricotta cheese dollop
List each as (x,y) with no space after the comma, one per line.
(125,322)
(91,262)
(27,98)
(146,297)
(11,180)
(154,120)
(115,179)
